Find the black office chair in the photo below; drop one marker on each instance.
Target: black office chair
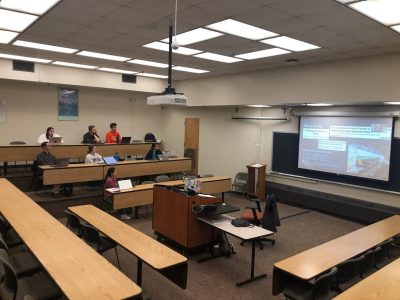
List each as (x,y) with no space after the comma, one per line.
(162,178)
(348,273)
(97,241)
(382,258)
(394,248)
(73,223)
(24,263)
(38,286)
(367,266)
(321,289)
(269,219)
(9,235)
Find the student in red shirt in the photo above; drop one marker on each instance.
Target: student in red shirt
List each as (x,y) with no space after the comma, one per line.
(113,136)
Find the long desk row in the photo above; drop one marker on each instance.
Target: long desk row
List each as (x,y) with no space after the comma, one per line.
(92,172)
(143,194)
(79,271)
(309,264)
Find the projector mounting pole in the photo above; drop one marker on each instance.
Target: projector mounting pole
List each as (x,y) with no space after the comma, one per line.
(170,89)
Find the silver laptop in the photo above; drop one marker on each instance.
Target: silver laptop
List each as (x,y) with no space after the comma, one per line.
(125,185)
(55,139)
(162,156)
(61,162)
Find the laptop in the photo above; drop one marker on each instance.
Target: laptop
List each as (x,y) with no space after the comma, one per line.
(61,162)
(110,160)
(125,185)
(55,139)
(162,156)
(126,140)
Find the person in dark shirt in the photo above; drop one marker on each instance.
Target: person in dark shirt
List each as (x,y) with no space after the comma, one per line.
(153,152)
(91,137)
(45,157)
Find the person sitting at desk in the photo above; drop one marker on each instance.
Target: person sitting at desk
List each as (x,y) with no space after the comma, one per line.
(110,181)
(91,137)
(45,158)
(46,136)
(153,152)
(93,157)
(113,136)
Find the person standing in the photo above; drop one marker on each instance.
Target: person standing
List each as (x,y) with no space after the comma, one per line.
(46,136)
(113,136)
(91,137)
(93,157)
(110,181)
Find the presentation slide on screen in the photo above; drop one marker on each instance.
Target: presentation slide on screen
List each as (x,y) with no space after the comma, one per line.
(355,146)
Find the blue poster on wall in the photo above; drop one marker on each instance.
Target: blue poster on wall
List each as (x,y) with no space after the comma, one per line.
(68,104)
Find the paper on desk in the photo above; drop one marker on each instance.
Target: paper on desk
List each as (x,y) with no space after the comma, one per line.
(112,190)
(205,195)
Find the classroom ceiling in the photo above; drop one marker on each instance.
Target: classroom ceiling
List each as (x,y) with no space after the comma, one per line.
(122,27)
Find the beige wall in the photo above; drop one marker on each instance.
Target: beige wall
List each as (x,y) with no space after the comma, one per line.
(32,107)
(375,78)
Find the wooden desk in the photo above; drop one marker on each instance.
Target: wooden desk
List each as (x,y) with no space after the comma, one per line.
(381,285)
(143,194)
(92,172)
(161,258)
(310,263)
(132,168)
(79,271)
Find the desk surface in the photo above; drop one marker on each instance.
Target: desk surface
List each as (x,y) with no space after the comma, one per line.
(141,245)
(312,262)
(381,285)
(202,180)
(79,271)
(223,222)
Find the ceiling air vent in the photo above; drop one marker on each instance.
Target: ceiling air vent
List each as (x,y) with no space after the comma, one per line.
(128,78)
(25,66)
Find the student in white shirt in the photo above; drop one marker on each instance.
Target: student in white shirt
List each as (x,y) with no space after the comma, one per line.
(49,133)
(93,157)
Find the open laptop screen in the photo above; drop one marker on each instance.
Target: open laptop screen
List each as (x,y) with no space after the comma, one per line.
(110,160)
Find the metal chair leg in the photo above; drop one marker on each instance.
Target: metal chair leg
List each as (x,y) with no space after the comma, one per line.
(116,253)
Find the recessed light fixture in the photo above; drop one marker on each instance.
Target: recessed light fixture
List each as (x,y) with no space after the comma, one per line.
(258,105)
(289,44)
(190,70)
(392,103)
(195,36)
(152,75)
(263,53)
(148,63)
(218,57)
(24,58)
(103,56)
(346,1)
(44,47)
(319,104)
(165,47)
(72,65)
(116,71)
(37,7)
(15,21)
(7,36)
(241,29)
(396,28)
(383,11)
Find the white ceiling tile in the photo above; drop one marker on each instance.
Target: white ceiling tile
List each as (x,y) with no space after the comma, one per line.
(94,7)
(229,7)
(133,17)
(263,16)
(298,8)
(156,7)
(199,16)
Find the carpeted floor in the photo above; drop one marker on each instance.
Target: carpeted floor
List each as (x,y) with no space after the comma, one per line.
(301,229)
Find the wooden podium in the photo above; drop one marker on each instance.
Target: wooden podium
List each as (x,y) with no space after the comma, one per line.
(256,181)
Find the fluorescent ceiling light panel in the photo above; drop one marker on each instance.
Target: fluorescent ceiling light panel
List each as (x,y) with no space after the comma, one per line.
(289,44)
(195,36)
(148,63)
(44,47)
(67,64)
(116,71)
(152,75)
(25,58)
(397,28)
(218,57)
(392,103)
(242,29)
(37,7)
(103,56)
(258,105)
(386,12)
(7,36)
(15,21)
(263,53)
(165,47)
(190,70)
(319,104)
(345,1)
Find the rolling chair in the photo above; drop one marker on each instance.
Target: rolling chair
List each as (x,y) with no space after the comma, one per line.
(162,178)
(348,273)
(73,223)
